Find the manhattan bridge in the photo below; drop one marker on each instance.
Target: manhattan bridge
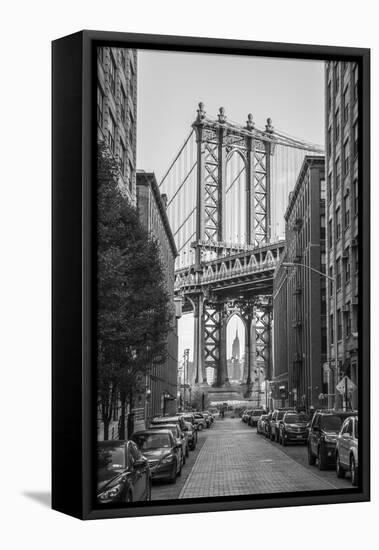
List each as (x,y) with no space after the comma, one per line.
(227,190)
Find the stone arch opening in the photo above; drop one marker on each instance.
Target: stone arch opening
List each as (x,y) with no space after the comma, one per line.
(235,199)
(235,347)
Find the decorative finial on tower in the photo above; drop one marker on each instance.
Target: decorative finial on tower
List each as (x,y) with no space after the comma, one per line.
(200,112)
(222,115)
(269,126)
(250,124)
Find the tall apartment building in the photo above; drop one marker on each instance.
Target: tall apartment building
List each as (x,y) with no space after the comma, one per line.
(341,99)
(299,298)
(163,379)
(117,111)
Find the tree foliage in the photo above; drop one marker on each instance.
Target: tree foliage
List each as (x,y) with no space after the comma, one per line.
(133,308)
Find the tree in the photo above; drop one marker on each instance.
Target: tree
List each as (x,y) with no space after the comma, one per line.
(133,309)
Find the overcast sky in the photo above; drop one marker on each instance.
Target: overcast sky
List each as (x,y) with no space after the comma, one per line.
(170,86)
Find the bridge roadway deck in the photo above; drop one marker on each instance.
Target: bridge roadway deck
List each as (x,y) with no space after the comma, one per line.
(232,459)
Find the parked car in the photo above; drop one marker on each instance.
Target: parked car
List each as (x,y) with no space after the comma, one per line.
(123,473)
(267,425)
(253,418)
(162,451)
(322,438)
(347,449)
(293,428)
(277,416)
(208,418)
(261,423)
(176,419)
(245,415)
(179,436)
(200,421)
(191,432)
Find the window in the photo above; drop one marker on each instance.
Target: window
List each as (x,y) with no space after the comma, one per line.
(337,124)
(338,270)
(130,177)
(339,324)
(355,191)
(100,104)
(338,173)
(122,157)
(322,190)
(331,329)
(330,233)
(355,137)
(322,227)
(331,281)
(347,321)
(355,90)
(346,105)
(123,105)
(330,141)
(347,211)
(112,74)
(346,157)
(347,266)
(111,133)
(338,223)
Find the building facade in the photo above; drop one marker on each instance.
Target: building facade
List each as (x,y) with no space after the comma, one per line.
(162,380)
(299,300)
(341,99)
(117,111)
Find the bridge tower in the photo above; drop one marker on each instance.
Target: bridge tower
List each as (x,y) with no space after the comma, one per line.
(218,144)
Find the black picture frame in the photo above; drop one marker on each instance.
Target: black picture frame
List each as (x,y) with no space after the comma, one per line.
(73,151)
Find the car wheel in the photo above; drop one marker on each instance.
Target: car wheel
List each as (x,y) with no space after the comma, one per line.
(321,460)
(339,470)
(311,458)
(353,471)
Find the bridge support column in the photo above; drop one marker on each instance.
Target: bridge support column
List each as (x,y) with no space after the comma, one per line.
(222,371)
(198,340)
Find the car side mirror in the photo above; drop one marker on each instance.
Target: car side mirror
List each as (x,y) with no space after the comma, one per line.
(140,463)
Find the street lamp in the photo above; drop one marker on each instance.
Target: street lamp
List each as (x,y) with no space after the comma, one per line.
(335,339)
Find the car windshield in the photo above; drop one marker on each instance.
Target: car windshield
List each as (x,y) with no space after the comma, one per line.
(188,418)
(198,415)
(257,413)
(148,442)
(332,423)
(292,418)
(110,460)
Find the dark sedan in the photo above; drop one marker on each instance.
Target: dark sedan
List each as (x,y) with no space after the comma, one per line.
(162,451)
(123,473)
(293,428)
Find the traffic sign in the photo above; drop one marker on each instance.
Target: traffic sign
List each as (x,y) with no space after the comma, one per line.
(346,385)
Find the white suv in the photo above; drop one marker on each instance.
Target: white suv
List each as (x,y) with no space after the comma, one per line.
(347,449)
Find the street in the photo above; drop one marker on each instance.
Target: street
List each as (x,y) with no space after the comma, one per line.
(232,459)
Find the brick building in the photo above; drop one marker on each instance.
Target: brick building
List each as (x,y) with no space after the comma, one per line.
(341,100)
(163,379)
(299,299)
(117,111)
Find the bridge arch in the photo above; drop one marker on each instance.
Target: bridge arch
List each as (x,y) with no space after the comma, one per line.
(235,198)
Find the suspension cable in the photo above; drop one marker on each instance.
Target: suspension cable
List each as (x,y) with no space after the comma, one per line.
(187,218)
(176,157)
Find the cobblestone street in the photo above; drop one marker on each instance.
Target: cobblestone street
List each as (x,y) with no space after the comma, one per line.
(232,459)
